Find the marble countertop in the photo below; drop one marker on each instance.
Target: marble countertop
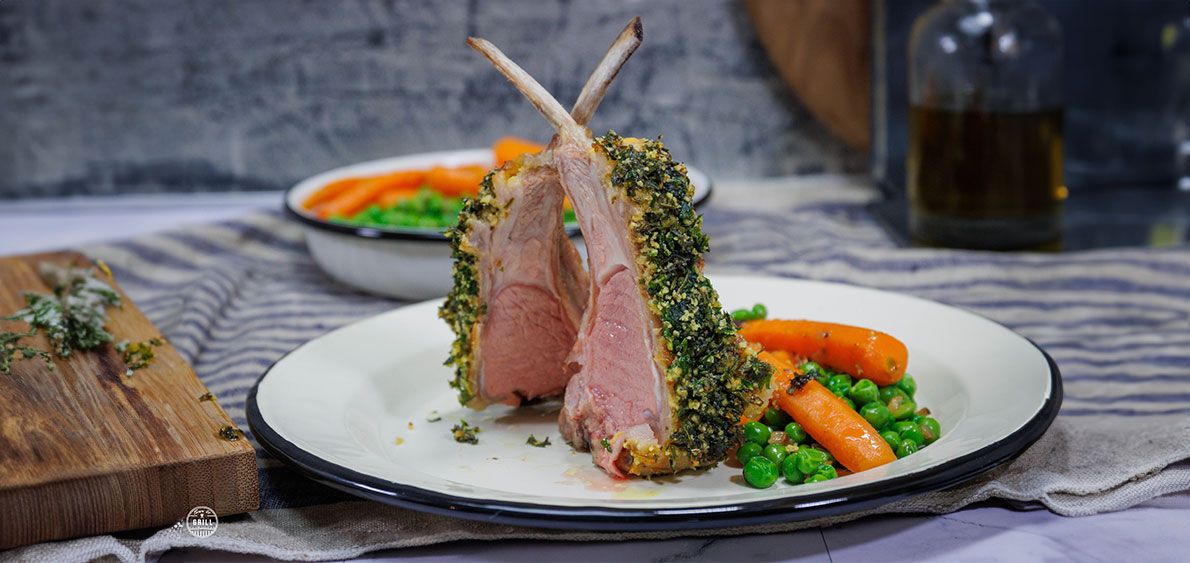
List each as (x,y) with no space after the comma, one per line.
(1154,531)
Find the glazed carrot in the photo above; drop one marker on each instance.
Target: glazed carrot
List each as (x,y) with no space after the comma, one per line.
(860,352)
(329,192)
(367,191)
(782,355)
(827,419)
(460,180)
(511,148)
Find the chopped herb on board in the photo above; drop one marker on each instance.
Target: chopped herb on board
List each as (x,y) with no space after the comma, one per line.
(12,350)
(73,317)
(230,433)
(137,355)
(206,397)
(465,433)
(533,441)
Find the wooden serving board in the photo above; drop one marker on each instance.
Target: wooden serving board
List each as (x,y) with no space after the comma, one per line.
(86,449)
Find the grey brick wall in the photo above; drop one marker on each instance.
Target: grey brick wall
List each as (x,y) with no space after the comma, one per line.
(106,96)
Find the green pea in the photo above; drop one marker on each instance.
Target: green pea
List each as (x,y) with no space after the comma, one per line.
(838,385)
(759,311)
(741,315)
(907,447)
(817,478)
(876,414)
(849,402)
(914,435)
(901,426)
(776,418)
(901,407)
(864,392)
(815,370)
(760,472)
(775,452)
(808,459)
(908,385)
(757,433)
(830,459)
(930,429)
(889,391)
(839,379)
(892,438)
(828,471)
(795,433)
(747,451)
(790,470)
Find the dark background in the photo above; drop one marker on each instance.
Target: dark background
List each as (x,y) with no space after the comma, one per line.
(105,96)
(1126,89)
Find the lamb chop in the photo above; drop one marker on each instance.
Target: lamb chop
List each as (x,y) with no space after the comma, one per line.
(519,285)
(662,377)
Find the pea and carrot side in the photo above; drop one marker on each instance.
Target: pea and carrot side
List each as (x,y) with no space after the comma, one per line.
(411,198)
(841,402)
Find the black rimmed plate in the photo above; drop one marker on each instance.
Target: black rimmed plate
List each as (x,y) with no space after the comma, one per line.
(366,409)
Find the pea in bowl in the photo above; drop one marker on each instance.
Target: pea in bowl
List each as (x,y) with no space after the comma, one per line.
(399,255)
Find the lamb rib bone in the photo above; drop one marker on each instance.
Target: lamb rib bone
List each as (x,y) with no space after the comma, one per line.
(662,378)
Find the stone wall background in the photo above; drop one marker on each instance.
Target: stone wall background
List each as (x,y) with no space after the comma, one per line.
(113,96)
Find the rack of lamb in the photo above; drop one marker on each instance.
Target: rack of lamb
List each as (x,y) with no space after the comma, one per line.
(660,377)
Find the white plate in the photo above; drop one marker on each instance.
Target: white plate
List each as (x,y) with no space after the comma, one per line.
(350,409)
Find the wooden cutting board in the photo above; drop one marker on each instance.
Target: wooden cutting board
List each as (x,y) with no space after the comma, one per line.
(86,449)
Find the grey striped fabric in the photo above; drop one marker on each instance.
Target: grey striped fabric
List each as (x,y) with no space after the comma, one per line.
(234,297)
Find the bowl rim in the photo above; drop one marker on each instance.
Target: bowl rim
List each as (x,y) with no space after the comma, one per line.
(416,234)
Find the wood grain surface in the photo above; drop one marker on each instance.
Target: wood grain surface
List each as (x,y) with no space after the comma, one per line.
(86,449)
(823,50)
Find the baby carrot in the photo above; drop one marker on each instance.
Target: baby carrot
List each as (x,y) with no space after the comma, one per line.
(367,191)
(460,180)
(858,351)
(330,191)
(511,148)
(827,419)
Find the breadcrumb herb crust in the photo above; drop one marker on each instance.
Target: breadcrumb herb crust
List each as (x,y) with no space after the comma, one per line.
(463,308)
(712,375)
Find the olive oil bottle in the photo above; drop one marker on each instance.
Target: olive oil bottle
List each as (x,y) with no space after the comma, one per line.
(984,161)
(980,179)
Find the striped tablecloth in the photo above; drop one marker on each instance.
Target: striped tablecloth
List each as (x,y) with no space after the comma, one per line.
(235,296)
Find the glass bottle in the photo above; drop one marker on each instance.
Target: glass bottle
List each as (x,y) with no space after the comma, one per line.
(984,163)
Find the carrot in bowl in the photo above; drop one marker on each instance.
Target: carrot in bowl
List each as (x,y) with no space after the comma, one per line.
(861,352)
(827,419)
(511,148)
(459,180)
(330,191)
(367,191)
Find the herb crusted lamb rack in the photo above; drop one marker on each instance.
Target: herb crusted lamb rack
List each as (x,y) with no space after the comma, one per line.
(519,285)
(662,377)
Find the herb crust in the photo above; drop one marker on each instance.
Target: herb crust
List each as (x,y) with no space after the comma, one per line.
(712,375)
(463,307)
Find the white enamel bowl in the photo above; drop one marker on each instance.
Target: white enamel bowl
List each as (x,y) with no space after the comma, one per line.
(410,263)
(350,409)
